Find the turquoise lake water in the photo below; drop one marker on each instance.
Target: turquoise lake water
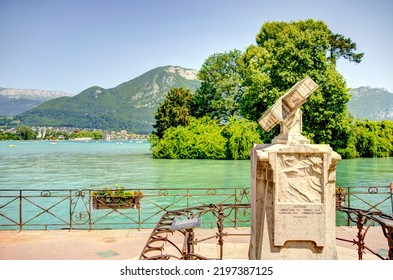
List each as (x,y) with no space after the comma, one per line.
(65,165)
(81,165)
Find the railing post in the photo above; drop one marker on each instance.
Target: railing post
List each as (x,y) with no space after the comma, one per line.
(349,205)
(236,209)
(90,212)
(70,210)
(390,242)
(220,231)
(360,242)
(139,214)
(391,195)
(20,211)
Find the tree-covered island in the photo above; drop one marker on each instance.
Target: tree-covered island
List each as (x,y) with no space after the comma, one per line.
(219,121)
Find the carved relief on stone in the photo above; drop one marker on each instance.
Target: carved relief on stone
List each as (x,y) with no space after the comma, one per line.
(300,178)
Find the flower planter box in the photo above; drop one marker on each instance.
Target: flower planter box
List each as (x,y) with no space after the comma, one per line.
(102,202)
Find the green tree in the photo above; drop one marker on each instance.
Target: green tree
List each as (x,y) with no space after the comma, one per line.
(285,53)
(236,84)
(25,133)
(174,111)
(201,139)
(343,47)
(95,135)
(205,138)
(241,135)
(8,136)
(373,138)
(221,88)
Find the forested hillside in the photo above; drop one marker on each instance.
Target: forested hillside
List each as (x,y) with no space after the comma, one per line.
(130,105)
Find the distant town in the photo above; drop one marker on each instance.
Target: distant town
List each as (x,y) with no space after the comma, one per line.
(67,133)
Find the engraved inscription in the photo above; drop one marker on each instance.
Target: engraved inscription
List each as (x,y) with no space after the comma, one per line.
(300,211)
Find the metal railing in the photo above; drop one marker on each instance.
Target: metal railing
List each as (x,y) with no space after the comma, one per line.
(73,209)
(371,198)
(362,218)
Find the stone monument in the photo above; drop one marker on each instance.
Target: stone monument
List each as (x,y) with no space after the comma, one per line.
(292,187)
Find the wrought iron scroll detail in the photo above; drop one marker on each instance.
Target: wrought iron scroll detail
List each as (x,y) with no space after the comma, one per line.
(81,217)
(373,190)
(211,192)
(46,193)
(163,193)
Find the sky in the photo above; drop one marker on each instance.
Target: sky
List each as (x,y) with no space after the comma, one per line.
(71,45)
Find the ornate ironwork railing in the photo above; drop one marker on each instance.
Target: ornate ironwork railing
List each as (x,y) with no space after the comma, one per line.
(371,198)
(361,218)
(73,209)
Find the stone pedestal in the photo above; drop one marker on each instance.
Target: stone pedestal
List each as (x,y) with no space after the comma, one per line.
(293,202)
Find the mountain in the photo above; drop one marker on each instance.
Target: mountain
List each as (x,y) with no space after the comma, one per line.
(130,105)
(16,101)
(371,103)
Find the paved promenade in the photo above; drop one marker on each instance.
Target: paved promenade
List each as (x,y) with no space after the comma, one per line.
(128,244)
